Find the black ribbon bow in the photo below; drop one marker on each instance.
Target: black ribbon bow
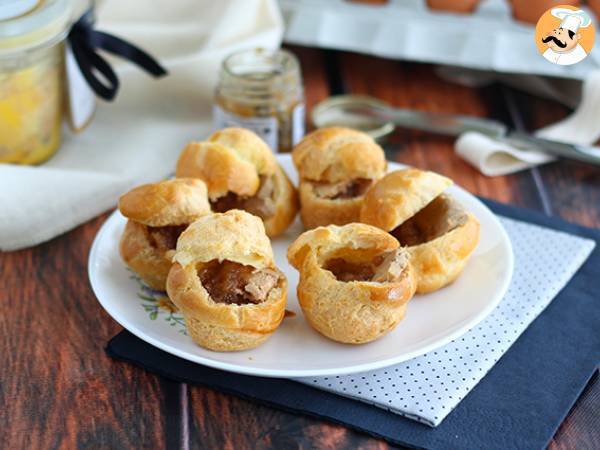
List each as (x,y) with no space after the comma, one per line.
(85,41)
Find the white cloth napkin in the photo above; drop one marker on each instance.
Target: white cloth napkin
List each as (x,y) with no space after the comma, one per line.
(429,387)
(138,137)
(493,157)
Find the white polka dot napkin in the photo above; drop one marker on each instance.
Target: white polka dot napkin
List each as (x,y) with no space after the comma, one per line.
(429,387)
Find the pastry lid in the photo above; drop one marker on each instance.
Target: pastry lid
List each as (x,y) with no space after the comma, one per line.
(234,235)
(337,154)
(400,195)
(179,201)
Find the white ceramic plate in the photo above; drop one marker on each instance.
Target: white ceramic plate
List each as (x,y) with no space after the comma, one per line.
(295,349)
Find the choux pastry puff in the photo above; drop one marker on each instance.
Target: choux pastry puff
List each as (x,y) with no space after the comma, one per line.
(241,172)
(158,213)
(355,281)
(225,283)
(439,233)
(336,166)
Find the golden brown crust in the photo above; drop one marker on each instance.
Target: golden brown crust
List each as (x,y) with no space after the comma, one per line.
(400,199)
(219,167)
(233,161)
(149,262)
(234,236)
(439,262)
(349,311)
(230,160)
(317,211)
(157,213)
(170,202)
(286,204)
(249,146)
(220,326)
(439,232)
(400,195)
(325,241)
(337,154)
(329,157)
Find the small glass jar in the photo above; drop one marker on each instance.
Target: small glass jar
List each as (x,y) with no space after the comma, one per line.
(262,90)
(31,79)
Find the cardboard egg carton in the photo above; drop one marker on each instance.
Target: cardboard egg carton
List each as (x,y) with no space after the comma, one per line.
(488,39)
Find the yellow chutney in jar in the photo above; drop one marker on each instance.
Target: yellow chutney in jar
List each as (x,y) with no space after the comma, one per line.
(31,81)
(31,105)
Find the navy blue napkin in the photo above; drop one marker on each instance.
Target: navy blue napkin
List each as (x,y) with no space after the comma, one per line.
(519,404)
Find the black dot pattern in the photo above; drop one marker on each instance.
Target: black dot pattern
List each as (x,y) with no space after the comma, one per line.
(429,387)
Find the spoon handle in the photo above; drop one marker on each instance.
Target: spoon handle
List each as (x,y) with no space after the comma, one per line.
(447,124)
(583,153)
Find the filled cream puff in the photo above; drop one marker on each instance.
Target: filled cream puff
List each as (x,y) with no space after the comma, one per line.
(158,213)
(225,282)
(439,233)
(336,167)
(241,172)
(355,281)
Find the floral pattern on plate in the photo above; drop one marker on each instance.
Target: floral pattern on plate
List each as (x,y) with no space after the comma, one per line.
(158,305)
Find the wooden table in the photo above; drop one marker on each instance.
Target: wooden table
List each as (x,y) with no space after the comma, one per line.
(58,389)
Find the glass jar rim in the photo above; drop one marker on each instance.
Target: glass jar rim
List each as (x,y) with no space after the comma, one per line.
(43,25)
(267,64)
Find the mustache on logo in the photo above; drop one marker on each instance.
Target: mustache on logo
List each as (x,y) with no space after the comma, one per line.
(555,40)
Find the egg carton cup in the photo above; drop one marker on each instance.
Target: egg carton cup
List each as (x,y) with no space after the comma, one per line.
(489,39)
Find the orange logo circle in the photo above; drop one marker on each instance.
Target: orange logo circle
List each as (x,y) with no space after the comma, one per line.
(565,35)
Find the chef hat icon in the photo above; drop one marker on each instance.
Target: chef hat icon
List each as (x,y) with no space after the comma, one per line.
(572,19)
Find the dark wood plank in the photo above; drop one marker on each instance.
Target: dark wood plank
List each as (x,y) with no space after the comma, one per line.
(572,188)
(228,422)
(63,391)
(224,421)
(581,428)
(241,427)
(417,86)
(313,74)
(58,388)
(201,433)
(218,419)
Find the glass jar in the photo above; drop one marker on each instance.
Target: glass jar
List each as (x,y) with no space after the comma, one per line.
(262,90)
(31,78)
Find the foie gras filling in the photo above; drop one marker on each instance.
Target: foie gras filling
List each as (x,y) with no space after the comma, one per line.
(164,238)
(262,204)
(440,216)
(342,190)
(233,283)
(383,268)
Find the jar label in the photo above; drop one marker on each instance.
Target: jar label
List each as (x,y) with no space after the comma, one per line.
(82,100)
(265,127)
(298,123)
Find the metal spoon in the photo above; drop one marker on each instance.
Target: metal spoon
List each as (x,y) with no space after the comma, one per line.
(379,119)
